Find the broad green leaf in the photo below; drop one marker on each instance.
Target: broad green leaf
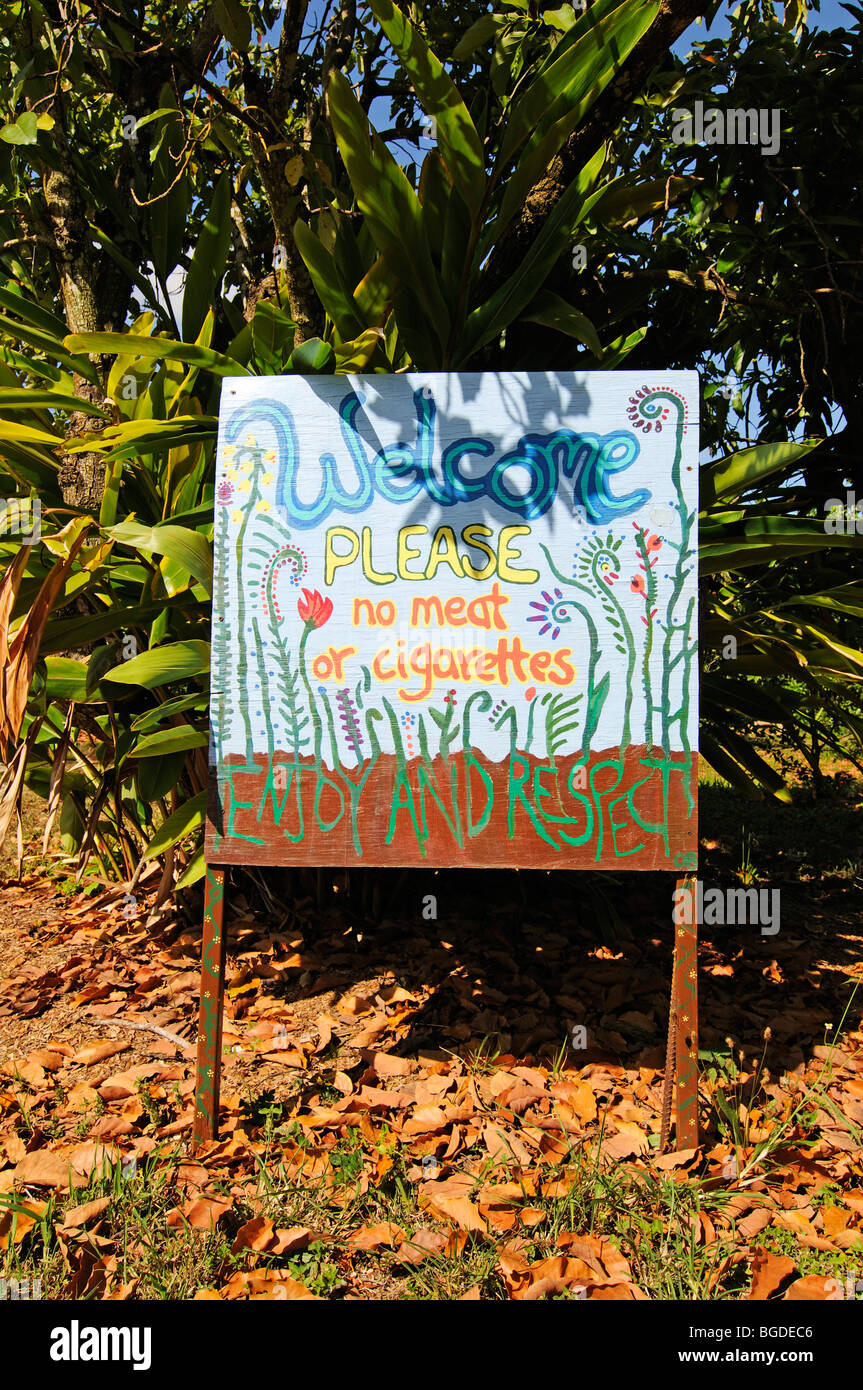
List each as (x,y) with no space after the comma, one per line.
(730,476)
(156,115)
(111,493)
(585,66)
(71,826)
(176,740)
(65,678)
(734,758)
(25,398)
(479,33)
(845,598)
(170,190)
(234,22)
(160,665)
(784,530)
(51,346)
(312,358)
(168,708)
(389,205)
(101,660)
(139,346)
(69,679)
(333,293)
(561,19)
(625,200)
(355,356)
(196,516)
(133,437)
(155,777)
(208,260)
(69,633)
(549,309)
(618,350)
(184,820)
(740,552)
(455,132)
(195,869)
(127,365)
(507,303)
(376,291)
(850,654)
(34,314)
(187,548)
(23,132)
(16,433)
(272,333)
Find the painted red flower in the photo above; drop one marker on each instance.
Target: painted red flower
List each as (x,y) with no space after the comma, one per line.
(313,608)
(637,585)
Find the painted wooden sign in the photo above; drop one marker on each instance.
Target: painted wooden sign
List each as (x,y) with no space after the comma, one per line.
(455,621)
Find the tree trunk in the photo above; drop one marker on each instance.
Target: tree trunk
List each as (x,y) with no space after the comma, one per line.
(82,476)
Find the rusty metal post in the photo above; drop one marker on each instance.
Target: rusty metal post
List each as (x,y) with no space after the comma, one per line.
(681,1058)
(209,1068)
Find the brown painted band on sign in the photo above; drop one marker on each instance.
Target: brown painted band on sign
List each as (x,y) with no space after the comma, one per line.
(609,810)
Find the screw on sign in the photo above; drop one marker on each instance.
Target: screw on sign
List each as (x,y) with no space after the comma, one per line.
(456,623)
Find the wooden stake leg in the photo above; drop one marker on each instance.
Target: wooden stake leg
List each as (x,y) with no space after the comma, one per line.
(681,1068)
(686,1004)
(209,1068)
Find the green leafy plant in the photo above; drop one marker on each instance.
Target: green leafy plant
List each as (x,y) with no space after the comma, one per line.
(308,243)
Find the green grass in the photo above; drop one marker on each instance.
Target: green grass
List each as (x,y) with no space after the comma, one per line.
(647,1216)
(652,1219)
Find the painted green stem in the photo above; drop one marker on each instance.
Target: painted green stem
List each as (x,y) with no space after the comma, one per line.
(594,640)
(607,597)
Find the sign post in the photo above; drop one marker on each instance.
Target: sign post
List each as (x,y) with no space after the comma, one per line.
(455,624)
(209,1063)
(681,1057)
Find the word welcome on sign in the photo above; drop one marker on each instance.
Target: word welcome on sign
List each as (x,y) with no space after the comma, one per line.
(455,621)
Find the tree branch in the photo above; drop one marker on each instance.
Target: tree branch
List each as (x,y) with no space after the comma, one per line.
(707,280)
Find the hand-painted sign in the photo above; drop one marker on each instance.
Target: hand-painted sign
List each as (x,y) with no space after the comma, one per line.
(455,621)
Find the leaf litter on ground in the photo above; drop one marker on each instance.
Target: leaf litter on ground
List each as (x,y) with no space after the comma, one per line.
(404,1111)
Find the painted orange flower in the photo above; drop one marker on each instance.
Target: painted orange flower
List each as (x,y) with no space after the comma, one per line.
(637,585)
(314,609)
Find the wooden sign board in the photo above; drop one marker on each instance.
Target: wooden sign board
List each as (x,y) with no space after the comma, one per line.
(455,621)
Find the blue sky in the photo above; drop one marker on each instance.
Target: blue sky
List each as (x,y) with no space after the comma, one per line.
(830,16)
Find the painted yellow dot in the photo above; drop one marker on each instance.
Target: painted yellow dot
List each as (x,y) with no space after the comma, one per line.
(229,451)
(266,479)
(263,505)
(270,456)
(251,441)
(246,466)
(236,514)
(243,485)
